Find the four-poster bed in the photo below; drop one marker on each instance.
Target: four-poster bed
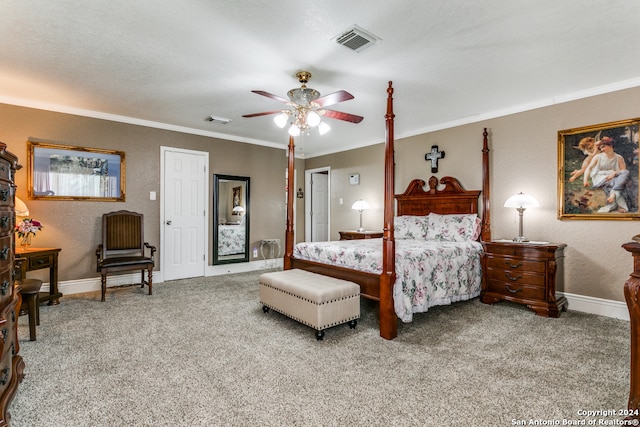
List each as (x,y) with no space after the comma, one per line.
(415,201)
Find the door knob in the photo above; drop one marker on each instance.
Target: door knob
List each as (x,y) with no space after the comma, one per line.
(169,222)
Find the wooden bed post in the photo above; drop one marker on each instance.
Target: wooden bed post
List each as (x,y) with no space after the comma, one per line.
(486,216)
(388,317)
(288,241)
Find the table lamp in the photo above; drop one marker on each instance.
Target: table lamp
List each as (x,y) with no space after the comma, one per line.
(521,201)
(360,205)
(21,208)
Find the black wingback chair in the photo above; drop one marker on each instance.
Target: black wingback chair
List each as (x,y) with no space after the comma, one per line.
(123,247)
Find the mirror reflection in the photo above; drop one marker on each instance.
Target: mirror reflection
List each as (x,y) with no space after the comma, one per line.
(231,219)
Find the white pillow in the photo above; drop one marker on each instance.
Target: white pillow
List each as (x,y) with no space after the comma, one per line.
(410,227)
(453,227)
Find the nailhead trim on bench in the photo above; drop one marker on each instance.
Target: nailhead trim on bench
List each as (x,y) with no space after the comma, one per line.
(306,299)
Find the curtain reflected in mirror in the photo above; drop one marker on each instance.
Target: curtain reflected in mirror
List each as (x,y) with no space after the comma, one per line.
(231,219)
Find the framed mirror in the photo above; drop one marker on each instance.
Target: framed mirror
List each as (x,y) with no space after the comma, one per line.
(230,219)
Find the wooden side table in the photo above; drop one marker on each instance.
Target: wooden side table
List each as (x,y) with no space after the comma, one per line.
(524,273)
(355,235)
(39,258)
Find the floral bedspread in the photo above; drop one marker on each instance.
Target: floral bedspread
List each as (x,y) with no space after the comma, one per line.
(231,239)
(428,273)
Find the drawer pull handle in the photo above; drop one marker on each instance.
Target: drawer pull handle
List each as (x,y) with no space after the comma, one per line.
(513,265)
(4,221)
(513,291)
(511,277)
(4,253)
(4,377)
(4,195)
(5,332)
(4,287)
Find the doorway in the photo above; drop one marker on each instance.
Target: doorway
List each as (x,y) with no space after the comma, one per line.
(317,204)
(184,231)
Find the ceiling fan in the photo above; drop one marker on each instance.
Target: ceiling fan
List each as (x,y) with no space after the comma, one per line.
(307,108)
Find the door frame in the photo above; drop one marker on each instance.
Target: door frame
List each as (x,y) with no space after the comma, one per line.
(307,200)
(205,202)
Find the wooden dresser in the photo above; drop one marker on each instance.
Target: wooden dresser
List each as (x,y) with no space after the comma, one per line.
(11,364)
(524,273)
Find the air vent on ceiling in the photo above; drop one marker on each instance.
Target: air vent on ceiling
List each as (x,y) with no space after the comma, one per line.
(356,39)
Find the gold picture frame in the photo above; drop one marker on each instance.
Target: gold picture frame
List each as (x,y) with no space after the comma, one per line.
(591,182)
(63,172)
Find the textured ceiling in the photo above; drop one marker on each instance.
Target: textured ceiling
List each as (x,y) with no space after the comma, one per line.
(171,64)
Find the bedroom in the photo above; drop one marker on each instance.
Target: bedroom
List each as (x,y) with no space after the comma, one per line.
(524,158)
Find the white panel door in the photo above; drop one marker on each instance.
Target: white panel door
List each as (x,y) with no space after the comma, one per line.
(319,207)
(184,214)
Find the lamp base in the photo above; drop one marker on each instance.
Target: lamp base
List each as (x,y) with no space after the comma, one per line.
(520,239)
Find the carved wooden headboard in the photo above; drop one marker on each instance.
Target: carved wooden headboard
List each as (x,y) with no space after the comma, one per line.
(451,199)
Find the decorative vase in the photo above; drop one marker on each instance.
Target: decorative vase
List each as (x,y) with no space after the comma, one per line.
(26,241)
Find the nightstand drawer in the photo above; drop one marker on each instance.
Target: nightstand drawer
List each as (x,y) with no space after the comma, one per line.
(515,264)
(38,262)
(519,276)
(519,291)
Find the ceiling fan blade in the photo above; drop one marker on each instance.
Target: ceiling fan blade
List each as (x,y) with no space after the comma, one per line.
(266,113)
(339,115)
(272,96)
(333,98)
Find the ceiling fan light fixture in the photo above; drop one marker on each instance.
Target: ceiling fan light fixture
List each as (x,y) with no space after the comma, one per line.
(323,128)
(281,120)
(294,130)
(313,119)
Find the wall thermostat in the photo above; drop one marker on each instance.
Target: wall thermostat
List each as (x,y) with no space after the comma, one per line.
(354,179)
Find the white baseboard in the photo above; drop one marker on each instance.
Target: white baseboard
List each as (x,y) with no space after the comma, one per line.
(602,307)
(69,287)
(585,304)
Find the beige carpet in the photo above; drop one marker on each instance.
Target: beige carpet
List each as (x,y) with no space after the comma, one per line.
(201,352)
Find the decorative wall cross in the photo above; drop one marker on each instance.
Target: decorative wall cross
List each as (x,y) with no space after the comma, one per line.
(433,157)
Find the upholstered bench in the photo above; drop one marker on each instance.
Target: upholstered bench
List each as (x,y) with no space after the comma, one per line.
(312,299)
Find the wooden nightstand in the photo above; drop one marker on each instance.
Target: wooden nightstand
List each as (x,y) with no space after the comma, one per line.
(354,235)
(524,273)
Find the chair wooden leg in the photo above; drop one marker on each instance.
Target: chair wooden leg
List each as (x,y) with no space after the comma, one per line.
(149,276)
(31,307)
(142,278)
(103,281)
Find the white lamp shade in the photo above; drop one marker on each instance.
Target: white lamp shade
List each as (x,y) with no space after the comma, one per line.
(238,209)
(521,200)
(281,120)
(323,128)
(294,130)
(313,119)
(361,205)
(21,208)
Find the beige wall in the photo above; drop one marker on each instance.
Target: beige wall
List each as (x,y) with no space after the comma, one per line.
(75,226)
(523,158)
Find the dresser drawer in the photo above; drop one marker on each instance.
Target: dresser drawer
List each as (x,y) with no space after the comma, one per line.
(505,262)
(6,221)
(5,171)
(6,371)
(7,327)
(516,290)
(6,285)
(516,276)
(6,194)
(6,243)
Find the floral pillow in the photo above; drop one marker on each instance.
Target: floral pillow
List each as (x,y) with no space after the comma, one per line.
(453,227)
(410,227)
